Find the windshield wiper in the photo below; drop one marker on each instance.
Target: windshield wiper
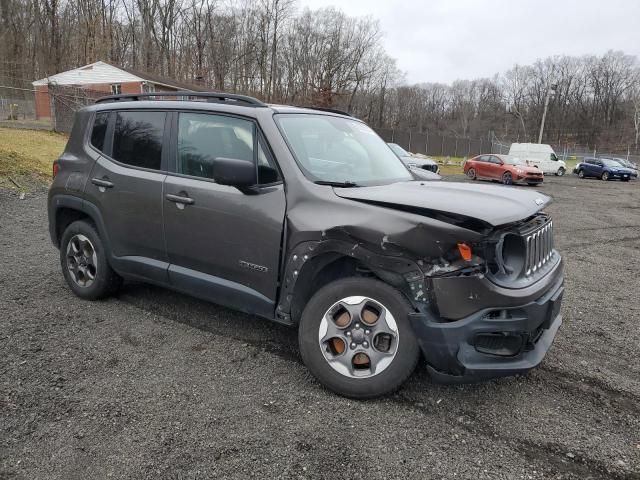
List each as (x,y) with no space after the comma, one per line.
(345,184)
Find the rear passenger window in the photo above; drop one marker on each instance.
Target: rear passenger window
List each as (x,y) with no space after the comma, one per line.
(99,130)
(137,139)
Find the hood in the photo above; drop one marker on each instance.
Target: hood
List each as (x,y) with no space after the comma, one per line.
(421,174)
(494,205)
(526,168)
(622,169)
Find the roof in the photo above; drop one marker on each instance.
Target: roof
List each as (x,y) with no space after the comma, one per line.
(248,110)
(102,72)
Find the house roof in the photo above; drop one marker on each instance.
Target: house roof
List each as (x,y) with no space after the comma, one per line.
(102,72)
(159,80)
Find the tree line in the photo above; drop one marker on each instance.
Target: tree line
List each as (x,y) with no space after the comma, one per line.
(274,50)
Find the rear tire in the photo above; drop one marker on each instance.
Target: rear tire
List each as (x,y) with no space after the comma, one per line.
(84,262)
(335,365)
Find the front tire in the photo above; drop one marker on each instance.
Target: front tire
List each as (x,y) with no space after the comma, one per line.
(580,173)
(471,173)
(507,178)
(84,262)
(356,339)
(560,172)
(605,176)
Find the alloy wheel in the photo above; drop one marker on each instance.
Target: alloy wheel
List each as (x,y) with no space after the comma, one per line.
(507,179)
(471,173)
(82,261)
(358,337)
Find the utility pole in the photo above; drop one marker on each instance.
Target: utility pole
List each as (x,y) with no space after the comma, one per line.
(550,90)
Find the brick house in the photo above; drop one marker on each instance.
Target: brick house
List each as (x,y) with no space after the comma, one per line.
(103,77)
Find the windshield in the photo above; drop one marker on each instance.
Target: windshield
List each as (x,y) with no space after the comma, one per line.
(513,160)
(398,150)
(611,163)
(335,149)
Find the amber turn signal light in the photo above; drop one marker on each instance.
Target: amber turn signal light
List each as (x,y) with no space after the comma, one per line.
(465,251)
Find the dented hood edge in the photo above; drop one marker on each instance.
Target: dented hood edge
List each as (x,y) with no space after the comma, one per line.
(493,205)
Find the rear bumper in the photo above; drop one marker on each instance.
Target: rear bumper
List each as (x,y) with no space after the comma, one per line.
(496,341)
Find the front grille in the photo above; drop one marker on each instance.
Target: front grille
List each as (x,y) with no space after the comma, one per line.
(539,248)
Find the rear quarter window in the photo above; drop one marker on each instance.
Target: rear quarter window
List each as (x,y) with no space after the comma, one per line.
(137,139)
(99,130)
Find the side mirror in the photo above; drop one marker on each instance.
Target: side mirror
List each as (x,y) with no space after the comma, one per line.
(234,172)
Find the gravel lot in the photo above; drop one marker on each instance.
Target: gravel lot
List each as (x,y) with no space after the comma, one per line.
(154,384)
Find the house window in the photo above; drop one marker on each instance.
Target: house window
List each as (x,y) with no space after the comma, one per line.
(148,87)
(116,89)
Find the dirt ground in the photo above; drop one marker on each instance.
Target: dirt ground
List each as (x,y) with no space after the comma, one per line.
(154,384)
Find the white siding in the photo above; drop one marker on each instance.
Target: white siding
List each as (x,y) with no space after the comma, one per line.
(98,72)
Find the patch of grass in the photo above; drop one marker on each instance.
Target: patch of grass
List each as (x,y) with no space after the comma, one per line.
(450,165)
(27,155)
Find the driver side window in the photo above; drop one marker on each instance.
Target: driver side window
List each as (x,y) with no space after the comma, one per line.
(204,137)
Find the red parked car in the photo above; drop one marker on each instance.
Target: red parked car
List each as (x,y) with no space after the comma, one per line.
(505,168)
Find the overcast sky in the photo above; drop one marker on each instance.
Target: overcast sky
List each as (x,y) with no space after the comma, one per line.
(443,40)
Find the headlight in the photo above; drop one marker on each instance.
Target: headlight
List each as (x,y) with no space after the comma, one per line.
(519,171)
(508,258)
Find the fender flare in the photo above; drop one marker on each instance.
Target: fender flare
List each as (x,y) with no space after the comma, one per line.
(311,256)
(60,201)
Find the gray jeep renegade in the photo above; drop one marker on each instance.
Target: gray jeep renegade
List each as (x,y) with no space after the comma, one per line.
(306,217)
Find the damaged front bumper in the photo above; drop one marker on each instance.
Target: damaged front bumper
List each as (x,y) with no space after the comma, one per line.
(509,331)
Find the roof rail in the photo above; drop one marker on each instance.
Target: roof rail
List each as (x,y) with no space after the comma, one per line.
(212,97)
(324,109)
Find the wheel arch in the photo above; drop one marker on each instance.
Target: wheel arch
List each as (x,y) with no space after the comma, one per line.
(312,265)
(65,209)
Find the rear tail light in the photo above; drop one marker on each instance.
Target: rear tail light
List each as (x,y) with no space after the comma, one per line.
(56,168)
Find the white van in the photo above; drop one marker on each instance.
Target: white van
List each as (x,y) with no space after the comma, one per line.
(539,155)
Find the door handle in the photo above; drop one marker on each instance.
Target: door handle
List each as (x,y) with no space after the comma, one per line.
(179,199)
(102,183)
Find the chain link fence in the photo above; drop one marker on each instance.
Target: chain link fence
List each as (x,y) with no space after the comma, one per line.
(433,144)
(22,106)
(65,101)
(17,102)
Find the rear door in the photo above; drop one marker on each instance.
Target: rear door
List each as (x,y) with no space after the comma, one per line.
(482,165)
(223,243)
(125,186)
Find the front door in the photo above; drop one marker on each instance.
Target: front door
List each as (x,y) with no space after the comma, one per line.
(494,168)
(223,244)
(126,187)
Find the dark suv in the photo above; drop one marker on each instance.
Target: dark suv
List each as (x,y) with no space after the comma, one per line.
(307,218)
